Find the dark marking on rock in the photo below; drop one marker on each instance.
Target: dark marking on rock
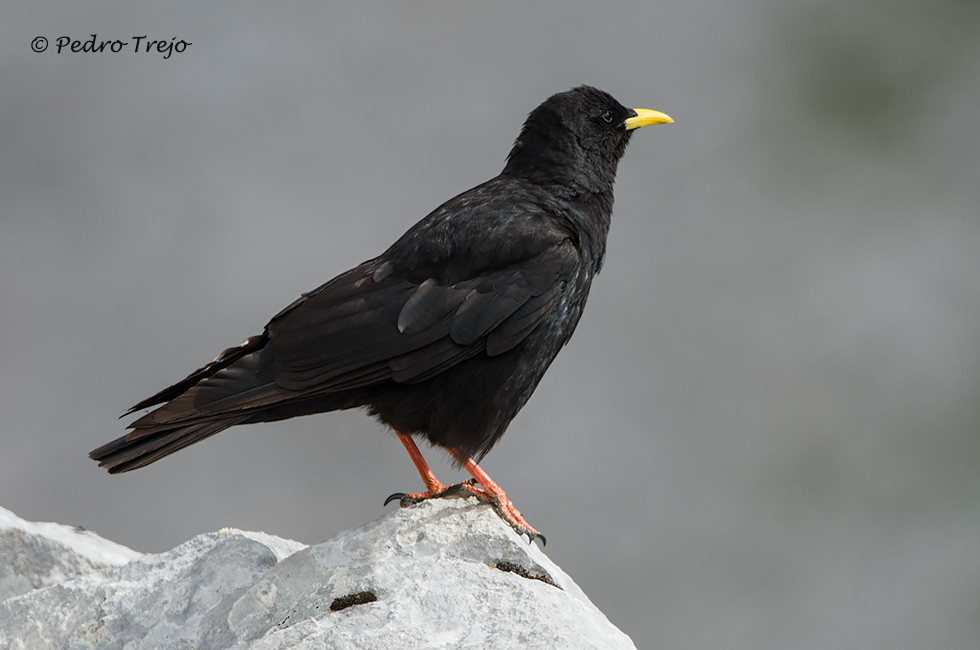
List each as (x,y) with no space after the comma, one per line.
(511,567)
(353,599)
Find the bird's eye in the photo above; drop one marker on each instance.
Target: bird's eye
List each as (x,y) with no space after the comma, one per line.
(606,117)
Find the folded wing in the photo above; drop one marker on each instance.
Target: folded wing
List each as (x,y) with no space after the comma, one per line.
(358,330)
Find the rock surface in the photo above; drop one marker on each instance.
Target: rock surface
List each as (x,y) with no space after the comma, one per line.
(35,555)
(442,574)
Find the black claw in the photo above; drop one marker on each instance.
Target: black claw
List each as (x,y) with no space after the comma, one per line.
(406,501)
(533,536)
(448,492)
(456,487)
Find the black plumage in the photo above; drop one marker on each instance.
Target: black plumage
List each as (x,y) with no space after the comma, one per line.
(448,332)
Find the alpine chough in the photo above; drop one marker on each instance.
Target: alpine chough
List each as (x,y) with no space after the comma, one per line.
(447,333)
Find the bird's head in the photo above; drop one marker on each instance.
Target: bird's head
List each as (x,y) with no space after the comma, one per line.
(576,138)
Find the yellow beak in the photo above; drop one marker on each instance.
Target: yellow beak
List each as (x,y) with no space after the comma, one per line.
(645,117)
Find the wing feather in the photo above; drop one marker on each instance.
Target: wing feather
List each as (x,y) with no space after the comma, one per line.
(375,324)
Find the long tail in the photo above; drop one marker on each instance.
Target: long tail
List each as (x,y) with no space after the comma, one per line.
(206,402)
(238,387)
(125,454)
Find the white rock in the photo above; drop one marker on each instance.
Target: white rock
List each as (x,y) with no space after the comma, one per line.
(34,555)
(442,574)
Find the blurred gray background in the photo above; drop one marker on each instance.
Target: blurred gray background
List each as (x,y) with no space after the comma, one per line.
(766,430)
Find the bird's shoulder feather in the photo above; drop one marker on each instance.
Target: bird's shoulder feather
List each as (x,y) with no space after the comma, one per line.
(473,277)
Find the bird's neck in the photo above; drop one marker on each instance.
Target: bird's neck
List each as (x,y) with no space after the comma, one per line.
(545,159)
(580,182)
(591,217)
(587,212)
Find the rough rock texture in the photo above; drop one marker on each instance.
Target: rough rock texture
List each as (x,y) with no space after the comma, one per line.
(35,555)
(442,574)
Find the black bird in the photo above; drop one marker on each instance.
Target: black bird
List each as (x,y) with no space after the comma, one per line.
(448,332)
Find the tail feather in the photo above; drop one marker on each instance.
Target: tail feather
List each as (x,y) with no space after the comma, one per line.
(222,394)
(223,360)
(125,454)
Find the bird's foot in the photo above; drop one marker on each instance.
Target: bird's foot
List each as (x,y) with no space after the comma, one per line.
(481,486)
(497,499)
(505,509)
(438,491)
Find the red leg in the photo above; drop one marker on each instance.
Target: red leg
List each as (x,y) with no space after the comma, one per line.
(487,491)
(432,484)
(496,496)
